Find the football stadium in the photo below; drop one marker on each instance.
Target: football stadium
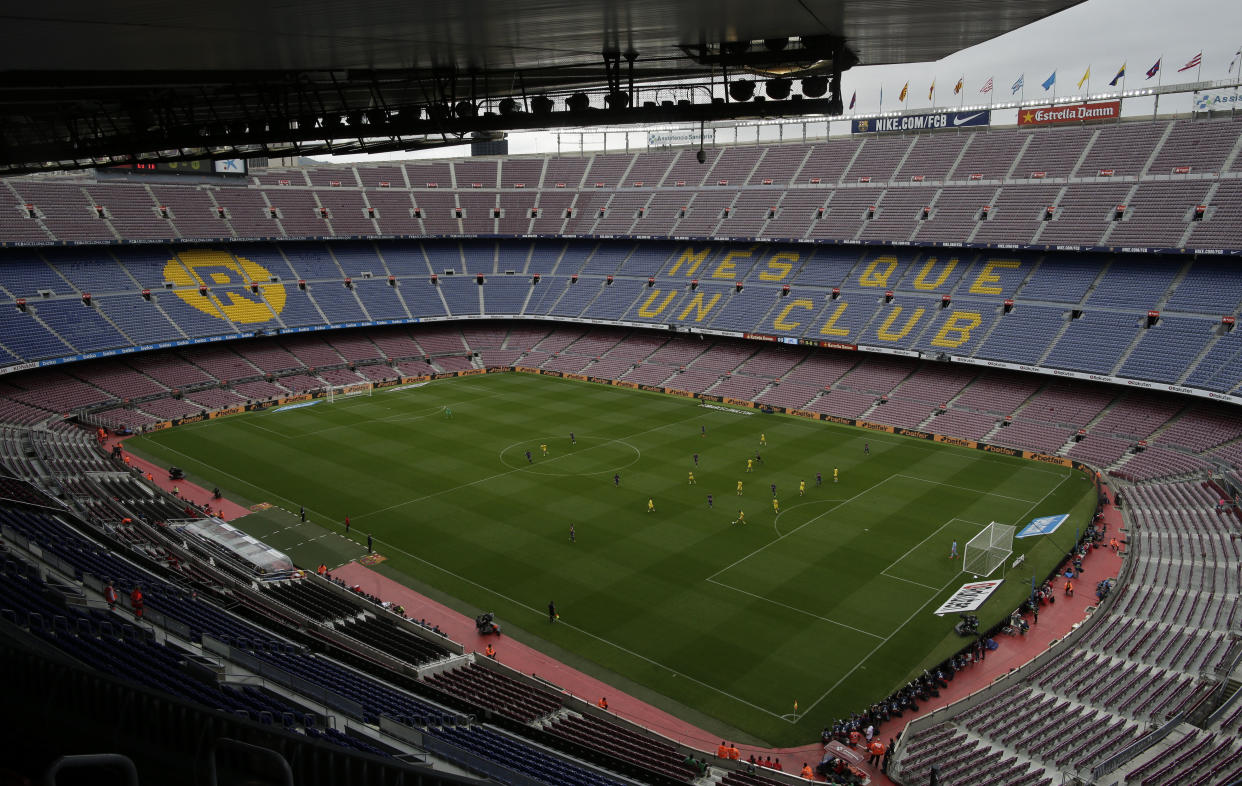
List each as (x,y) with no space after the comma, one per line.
(734,433)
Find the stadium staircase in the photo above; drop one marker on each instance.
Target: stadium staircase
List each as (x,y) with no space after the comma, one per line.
(1207,200)
(1126,216)
(758,159)
(1086,151)
(991,200)
(1227,164)
(853,157)
(1017,156)
(1155,150)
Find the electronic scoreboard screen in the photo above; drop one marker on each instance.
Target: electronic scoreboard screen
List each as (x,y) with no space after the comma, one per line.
(204,166)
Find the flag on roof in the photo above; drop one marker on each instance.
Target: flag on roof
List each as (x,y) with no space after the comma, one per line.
(1195,62)
(987,86)
(1017,85)
(1121,74)
(853,99)
(1050,81)
(905,89)
(1155,69)
(1085,76)
(958,87)
(932,90)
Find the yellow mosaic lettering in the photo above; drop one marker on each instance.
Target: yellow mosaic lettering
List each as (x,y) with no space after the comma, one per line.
(988,276)
(696,305)
(726,268)
(886,334)
(779,266)
(691,257)
(648,311)
(872,277)
(956,329)
(192,269)
(830,328)
(921,282)
(782,319)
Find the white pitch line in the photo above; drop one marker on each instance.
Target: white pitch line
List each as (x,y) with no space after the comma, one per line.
(876,649)
(929,537)
(917,611)
(776,520)
(511,471)
(587,633)
(967,488)
(1041,499)
(794,608)
(795,529)
(908,581)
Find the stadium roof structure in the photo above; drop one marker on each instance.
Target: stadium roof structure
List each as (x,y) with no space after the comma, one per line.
(83,84)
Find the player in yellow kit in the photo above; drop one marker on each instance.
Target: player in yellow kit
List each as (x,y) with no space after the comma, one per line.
(739,488)
(750,465)
(692,481)
(651,506)
(763,439)
(741,517)
(801,488)
(776,505)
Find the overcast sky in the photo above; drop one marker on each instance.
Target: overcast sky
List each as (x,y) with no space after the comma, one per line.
(1100,34)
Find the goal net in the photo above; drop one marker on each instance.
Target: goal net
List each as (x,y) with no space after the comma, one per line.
(988,550)
(348,391)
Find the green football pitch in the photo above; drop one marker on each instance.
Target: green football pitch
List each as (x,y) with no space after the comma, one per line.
(828,603)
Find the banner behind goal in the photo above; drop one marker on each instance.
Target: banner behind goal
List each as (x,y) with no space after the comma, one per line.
(350,390)
(988,550)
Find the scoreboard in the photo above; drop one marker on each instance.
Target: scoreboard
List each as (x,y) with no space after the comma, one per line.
(203,166)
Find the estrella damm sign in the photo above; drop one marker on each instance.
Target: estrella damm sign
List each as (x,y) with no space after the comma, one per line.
(204,267)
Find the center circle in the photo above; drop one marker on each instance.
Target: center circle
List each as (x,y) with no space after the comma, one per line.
(590,456)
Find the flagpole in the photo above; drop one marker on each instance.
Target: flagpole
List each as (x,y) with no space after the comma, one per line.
(1155,110)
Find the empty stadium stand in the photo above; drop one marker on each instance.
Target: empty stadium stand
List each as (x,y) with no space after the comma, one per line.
(1043,290)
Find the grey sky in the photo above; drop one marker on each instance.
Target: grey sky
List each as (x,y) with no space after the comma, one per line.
(1100,34)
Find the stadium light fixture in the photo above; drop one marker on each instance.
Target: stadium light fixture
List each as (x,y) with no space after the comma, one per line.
(541,105)
(742,89)
(578,103)
(814,86)
(778,89)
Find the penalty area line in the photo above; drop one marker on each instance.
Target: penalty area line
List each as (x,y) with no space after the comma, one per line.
(795,609)
(876,649)
(571,626)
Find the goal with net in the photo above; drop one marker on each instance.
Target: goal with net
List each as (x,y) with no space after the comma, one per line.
(335,392)
(988,550)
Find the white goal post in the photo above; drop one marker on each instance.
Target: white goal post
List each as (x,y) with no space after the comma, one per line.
(988,550)
(347,391)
